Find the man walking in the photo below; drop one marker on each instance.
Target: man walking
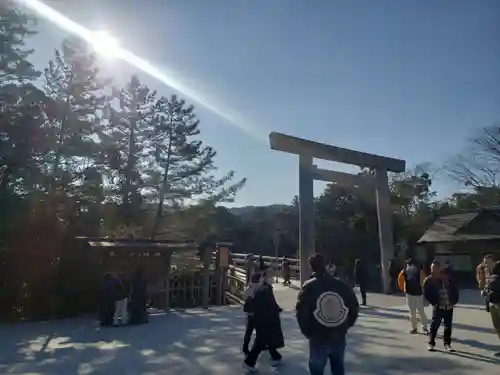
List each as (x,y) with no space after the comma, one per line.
(443,294)
(326,309)
(410,281)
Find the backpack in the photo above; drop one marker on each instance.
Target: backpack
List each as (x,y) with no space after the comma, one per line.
(412,280)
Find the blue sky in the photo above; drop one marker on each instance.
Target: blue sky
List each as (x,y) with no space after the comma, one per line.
(408,79)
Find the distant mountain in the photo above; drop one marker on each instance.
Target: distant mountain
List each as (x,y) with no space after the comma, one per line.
(248,211)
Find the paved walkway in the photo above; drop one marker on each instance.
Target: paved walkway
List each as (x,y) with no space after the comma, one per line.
(201,342)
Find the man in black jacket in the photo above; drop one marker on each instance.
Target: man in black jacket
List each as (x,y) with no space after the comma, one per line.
(326,309)
(442,293)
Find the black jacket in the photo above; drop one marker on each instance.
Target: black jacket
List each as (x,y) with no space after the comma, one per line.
(432,286)
(360,274)
(326,308)
(493,289)
(266,317)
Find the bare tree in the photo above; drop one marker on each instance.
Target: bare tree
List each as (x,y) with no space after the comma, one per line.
(479,165)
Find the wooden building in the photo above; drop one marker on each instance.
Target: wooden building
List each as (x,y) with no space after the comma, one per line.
(179,274)
(462,240)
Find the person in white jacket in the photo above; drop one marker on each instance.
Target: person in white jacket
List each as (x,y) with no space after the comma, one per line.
(255,282)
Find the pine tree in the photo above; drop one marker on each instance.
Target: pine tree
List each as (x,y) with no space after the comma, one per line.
(182,166)
(21,141)
(73,82)
(21,102)
(15,27)
(125,140)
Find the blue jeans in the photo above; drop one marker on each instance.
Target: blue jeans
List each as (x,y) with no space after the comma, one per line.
(320,353)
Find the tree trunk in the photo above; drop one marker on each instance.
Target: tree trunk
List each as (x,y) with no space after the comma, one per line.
(163,189)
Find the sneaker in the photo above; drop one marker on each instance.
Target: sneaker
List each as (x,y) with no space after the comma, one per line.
(431,348)
(249,368)
(276,362)
(449,349)
(425,330)
(414,331)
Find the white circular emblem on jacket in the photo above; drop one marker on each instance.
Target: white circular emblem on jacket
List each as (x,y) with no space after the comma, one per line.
(331,310)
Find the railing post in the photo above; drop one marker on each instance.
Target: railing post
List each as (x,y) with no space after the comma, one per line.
(207,261)
(168,266)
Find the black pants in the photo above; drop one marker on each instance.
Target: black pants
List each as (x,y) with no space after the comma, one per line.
(362,291)
(487,304)
(248,333)
(438,316)
(252,356)
(393,284)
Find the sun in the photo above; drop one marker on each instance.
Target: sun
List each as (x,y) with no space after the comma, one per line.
(105,44)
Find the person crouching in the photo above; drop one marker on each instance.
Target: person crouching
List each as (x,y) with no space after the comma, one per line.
(267,323)
(254,284)
(443,294)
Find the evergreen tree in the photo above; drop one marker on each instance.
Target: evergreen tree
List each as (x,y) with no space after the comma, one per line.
(15,27)
(21,104)
(181,167)
(125,140)
(73,82)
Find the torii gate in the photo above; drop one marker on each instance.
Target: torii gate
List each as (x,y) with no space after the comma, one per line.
(307,150)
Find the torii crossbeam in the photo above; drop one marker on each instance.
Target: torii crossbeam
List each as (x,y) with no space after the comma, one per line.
(307,150)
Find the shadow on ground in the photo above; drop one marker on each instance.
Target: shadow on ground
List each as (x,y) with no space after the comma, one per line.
(204,342)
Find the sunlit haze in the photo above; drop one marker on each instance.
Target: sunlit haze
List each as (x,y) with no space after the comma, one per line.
(108,45)
(406,79)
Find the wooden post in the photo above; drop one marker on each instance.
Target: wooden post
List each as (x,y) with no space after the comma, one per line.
(206,253)
(384,212)
(222,264)
(167,280)
(306,215)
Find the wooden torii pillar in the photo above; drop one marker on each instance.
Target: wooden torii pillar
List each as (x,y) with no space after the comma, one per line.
(307,150)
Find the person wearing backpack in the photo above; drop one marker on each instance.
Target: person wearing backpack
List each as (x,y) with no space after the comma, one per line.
(410,281)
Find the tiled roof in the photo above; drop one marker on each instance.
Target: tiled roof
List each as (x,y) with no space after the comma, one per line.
(446,228)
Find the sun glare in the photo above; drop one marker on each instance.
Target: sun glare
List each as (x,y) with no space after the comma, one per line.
(105,44)
(109,47)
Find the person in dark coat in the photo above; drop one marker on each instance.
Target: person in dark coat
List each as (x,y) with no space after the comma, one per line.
(393,275)
(138,296)
(442,293)
(249,267)
(107,300)
(255,283)
(262,264)
(267,323)
(286,271)
(492,291)
(361,279)
(326,309)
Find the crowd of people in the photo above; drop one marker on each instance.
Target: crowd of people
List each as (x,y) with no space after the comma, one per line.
(123,301)
(327,308)
(441,291)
